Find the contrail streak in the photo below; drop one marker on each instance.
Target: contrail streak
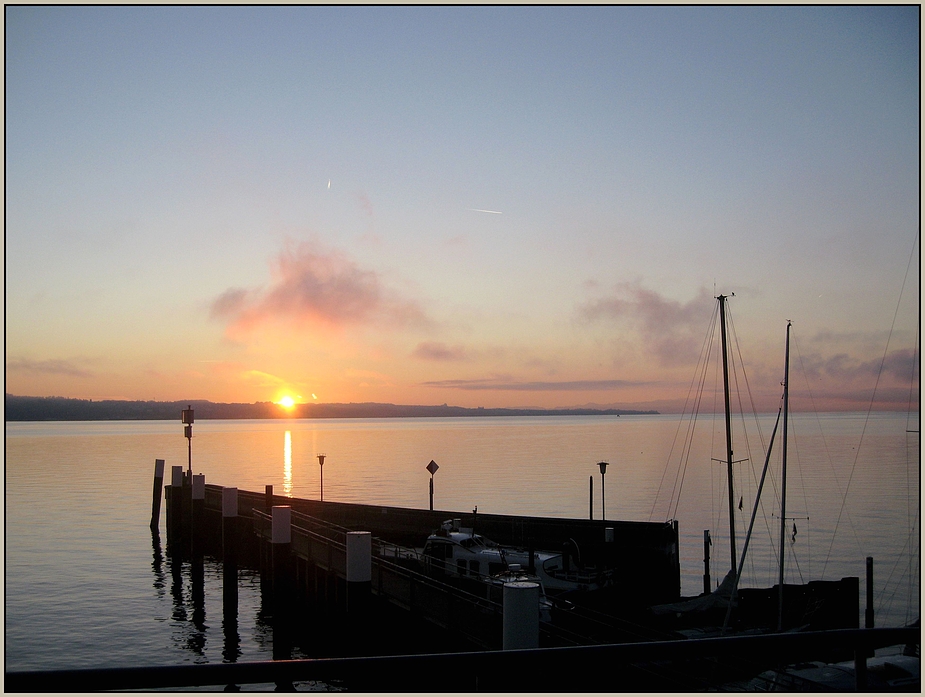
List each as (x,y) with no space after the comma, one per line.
(482,210)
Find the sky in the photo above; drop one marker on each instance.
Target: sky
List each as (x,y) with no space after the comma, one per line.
(478,206)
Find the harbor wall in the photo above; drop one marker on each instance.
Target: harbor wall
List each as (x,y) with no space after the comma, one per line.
(644,556)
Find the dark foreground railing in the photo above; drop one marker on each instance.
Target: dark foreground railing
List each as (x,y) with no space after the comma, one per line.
(583,668)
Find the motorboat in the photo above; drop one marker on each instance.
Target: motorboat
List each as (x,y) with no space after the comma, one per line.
(458,551)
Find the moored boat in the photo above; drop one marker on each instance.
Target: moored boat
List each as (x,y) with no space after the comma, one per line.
(458,551)
(784,607)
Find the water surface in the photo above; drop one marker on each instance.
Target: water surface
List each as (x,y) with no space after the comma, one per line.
(86,586)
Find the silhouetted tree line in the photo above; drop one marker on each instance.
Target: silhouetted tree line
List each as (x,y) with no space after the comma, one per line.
(67,409)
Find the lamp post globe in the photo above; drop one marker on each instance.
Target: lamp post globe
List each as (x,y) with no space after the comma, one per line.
(603,466)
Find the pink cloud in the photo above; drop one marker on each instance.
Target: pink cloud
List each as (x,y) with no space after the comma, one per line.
(365,204)
(311,286)
(671,330)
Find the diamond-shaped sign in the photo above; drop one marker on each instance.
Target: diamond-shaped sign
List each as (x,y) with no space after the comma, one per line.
(432,467)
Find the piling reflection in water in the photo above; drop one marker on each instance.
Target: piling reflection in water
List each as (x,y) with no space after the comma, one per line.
(197,638)
(231,648)
(188,616)
(176,588)
(157,565)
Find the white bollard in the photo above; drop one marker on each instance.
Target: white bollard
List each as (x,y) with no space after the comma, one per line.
(521,615)
(608,534)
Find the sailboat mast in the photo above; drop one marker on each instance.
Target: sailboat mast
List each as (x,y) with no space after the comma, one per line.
(783,486)
(732,533)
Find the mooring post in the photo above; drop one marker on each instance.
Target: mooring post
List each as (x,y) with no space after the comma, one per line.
(186,503)
(281,585)
(230,525)
(231,649)
(175,504)
(610,554)
(359,572)
(197,514)
(591,497)
(520,615)
(706,562)
(268,500)
(860,668)
(156,501)
(869,612)
(280,548)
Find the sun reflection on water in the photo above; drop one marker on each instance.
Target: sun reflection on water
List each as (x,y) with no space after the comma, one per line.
(287,464)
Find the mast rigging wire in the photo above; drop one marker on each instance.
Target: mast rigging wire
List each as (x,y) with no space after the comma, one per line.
(873,397)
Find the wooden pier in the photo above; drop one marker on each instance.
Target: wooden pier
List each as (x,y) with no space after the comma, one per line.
(312,563)
(394,628)
(644,556)
(357,569)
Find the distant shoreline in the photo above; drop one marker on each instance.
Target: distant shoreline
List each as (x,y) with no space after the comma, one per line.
(18,408)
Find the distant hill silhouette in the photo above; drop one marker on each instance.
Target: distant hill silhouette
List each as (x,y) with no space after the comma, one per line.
(67,409)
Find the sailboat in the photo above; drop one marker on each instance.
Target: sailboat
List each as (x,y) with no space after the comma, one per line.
(814,605)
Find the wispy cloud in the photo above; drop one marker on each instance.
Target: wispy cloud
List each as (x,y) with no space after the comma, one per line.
(313,285)
(46,367)
(369,378)
(671,330)
(537,386)
(438,351)
(263,379)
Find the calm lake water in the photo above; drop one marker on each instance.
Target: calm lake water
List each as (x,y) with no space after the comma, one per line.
(86,587)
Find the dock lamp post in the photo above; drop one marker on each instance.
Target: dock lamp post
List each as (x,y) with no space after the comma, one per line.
(321,463)
(186,416)
(432,467)
(603,466)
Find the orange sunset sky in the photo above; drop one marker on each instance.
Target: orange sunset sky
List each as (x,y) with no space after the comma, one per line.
(479,206)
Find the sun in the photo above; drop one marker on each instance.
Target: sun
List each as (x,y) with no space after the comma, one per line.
(286,402)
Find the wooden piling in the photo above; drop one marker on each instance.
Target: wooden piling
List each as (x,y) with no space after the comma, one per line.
(280,549)
(186,504)
(229,525)
(281,586)
(869,612)
(591,498)
(156,501)
(359,571)
(197,513)
(175,504)
(230,542)
(706,562)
